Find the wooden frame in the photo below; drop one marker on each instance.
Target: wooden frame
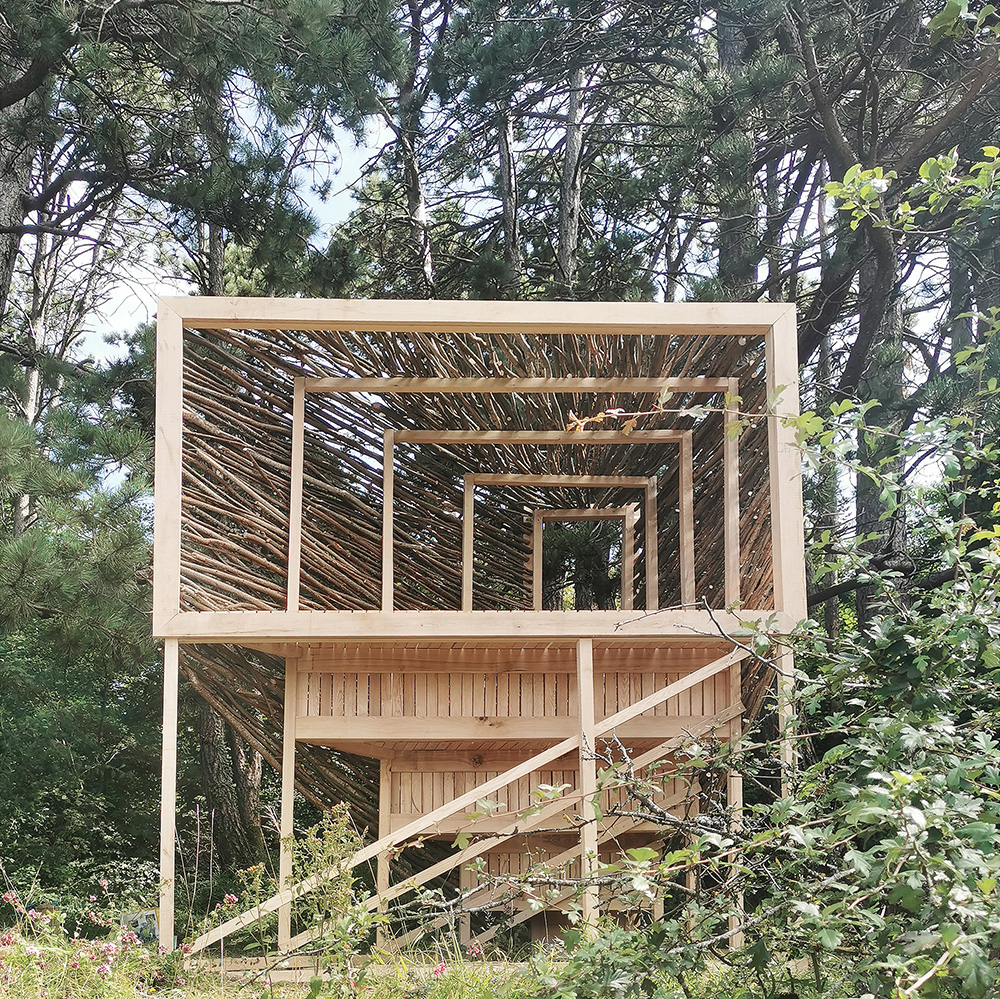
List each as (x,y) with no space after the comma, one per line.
(473,479)
(774,323)
(628,515)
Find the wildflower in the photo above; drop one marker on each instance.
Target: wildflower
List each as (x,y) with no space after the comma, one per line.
(230,900)
(74,964)
(93,898)
(185,948)
(439,970)
(7,940)
(103,883)
(104,970)
(32,951)
(474,950)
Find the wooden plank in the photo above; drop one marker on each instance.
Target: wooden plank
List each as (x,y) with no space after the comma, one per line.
(287,821)
(387,520)
(588,776)
(168,792)
(515,626)
(468,533)
(345,732)
(785,669)
(686,521)
(583,437)
(169,442)
(294,574)
(508,386)
(597,481)
(518,318)
(536,560)
(628,557)
(731,493)
(787,542)
(652,548)
(585,513)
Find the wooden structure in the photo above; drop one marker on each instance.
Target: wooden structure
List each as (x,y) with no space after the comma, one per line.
(351,503)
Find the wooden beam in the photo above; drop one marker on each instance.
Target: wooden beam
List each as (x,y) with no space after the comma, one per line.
(169,441)
(387,521)
(343,731)
(295,496)
(536,560)
(468,540)
(560,437)
(509,386)
(497,318)
(586,513)
(628,557)
(287,799)
(686,521)
(785,668)
(652,548)
(731,493)
(588,777)
(513,626)
(785,458)
(582,481)
(168,793)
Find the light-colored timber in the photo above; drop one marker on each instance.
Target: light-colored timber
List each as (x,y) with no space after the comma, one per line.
(318,530)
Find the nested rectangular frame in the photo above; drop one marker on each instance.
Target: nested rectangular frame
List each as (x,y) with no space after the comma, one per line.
(628,515)
(773,322)
(473,479)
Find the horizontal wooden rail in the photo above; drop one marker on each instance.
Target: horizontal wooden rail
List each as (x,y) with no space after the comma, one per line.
(519,386)
(541,436)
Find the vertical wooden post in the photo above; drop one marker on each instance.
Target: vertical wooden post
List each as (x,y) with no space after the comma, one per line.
(468,523)
(537,527)
(731,493)
(628,557)
(686,518)
(384,826)
(168,791)
(295,496)
(785,467)
(588,773)
(652,548)
(387,500)
(287,798)
(169,441)
(735,789)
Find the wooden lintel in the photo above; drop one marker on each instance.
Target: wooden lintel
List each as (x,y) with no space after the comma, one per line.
(542,436)
(514,626)
(497,318)
(583,481)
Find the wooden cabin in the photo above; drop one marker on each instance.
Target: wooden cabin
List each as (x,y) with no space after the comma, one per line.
(463,545)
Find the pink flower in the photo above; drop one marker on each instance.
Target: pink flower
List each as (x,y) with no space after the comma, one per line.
(93,898)
(439,970)
(230,900)
(7,940)
(474,950)
(32,951)
(104,970)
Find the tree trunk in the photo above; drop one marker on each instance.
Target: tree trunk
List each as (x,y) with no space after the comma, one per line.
(880,322)
(571,188)
(737,241)
(15,171)
(509,207)
(230,775)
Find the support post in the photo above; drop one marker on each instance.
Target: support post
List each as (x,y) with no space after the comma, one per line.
(652,548)
(387,500)
(685,486)
(287,799)
(536,560)
(588,774)
(382,860)
(168,792)
(735,793)
(295,496)
(628,557)
(468,514)
(731,492)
